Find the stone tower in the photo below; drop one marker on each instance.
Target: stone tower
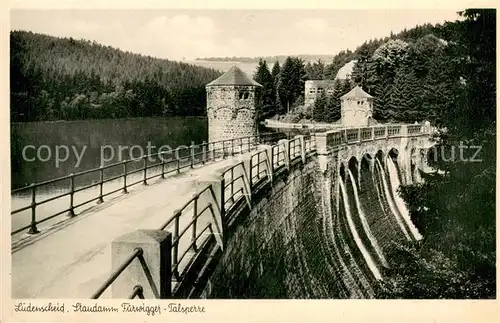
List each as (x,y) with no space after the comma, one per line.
(231,108)
(356,108)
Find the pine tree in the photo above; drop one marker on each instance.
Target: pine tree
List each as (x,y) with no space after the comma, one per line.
(319,108)
(276,71)
(382,93)
(266,95)
(291,82)
(315,70)
(333,105)
(406,97)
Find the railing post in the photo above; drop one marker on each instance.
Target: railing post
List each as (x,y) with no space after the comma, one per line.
(125,191)
(151,270)
(222,206)
(403,132)
(162,165)
(175,242)
(203,152)
(145,180)
(232,147)
(373,133)
(386,130)
(211,151)
(101,179)
(247,177)
(232,184)
(241,145)
(33,229)
(215,197)
(359,134)
(195,214)
(178,158)
(302,143)
(71,212)
(270,163)
(286,151)
(191,149)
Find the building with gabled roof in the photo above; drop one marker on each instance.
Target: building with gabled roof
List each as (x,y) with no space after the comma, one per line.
(356,108)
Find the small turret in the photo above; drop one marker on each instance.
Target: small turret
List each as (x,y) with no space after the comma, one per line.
(356,108)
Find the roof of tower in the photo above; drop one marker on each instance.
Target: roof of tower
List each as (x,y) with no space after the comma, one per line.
(357,92)
(234,76)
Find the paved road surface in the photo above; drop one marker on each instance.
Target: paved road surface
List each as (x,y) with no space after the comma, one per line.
(73,258)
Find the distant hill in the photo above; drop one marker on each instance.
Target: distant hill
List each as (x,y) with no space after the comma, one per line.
(269,59)
(65,79)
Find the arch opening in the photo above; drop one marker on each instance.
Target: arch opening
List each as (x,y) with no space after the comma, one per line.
(366,162)
(393,154)
(353,166)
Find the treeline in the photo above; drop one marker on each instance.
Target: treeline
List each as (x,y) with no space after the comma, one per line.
(408,74)
(275,58)
(455,211)
(66,79)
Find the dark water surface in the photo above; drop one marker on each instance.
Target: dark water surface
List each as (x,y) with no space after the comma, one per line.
(96,141)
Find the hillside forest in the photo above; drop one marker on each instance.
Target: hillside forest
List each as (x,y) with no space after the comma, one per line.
(52,78)
(66,79)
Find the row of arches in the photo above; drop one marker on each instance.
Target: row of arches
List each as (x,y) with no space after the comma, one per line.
(410,161)
(367,162)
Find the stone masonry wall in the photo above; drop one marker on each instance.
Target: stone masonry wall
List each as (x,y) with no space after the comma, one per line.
(280,249)
(273,252)
(231,112)
(355,112)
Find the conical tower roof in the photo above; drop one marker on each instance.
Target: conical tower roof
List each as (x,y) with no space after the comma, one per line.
(234,76)
(357,92)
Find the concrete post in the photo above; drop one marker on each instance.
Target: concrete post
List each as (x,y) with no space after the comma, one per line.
(404,131)
(247,175)
(286,145)
(321,143)
(269,161)
(302,148)
(152,270)
(215,196)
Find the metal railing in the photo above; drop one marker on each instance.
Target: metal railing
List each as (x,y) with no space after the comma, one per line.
(185,158)
(237,182)
(137,253)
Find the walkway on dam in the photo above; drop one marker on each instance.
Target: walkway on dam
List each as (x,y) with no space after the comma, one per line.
(73,258)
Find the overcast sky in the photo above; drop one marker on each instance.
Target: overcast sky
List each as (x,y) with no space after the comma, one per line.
(174,34)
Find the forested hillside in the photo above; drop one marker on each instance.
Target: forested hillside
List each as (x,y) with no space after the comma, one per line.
(63,78)
(275,58)
(408,73)
(455,211)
